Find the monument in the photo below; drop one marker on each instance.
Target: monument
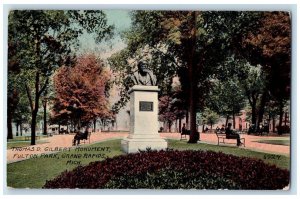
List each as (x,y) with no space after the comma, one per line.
(143,113)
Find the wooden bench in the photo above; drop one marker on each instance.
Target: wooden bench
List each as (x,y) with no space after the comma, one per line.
(185,133)
(222,137)
(84,139)
(88,138)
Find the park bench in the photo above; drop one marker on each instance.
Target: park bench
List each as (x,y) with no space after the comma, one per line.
(222,137)
(184,133)
(188,132)
(85,138)
(88,138)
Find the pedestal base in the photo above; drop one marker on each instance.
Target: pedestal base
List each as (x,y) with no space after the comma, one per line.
(143,121)
(132,145)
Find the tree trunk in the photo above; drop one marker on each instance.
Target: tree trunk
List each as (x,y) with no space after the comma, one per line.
(103,123)
(21,129)
(261,109)
(191,63)
(35,107)
(285,118)
(280,131)
(38,91)
(274,123)
(227,118)
(17,128)
(9,125)
(253,112)
(33,125)
(211,124)
(187,124)
(233,119)
(45,119)
(179,125)
(95,125)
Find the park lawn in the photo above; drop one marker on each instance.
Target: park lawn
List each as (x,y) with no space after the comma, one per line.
(33,173)
(284,142)
(279,160)
(10,145)
(22,138)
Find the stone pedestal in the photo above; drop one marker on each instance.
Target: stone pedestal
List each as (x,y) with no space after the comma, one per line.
(143,120)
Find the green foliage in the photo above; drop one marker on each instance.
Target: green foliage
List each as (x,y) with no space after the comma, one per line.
(209,117)
(41,41)
(227,97)
(170,179)
(175,169)
(187,44)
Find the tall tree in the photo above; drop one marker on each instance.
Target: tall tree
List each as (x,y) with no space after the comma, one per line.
(192,45)
(80,91)
(47,39)
(227,98)
(270,46)
(209,117)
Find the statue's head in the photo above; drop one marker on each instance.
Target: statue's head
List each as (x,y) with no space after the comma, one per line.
(141,67)
(143,76)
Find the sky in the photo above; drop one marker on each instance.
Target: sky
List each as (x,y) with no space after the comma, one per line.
(121,20)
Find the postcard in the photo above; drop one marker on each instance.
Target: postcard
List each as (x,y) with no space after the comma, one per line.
(149,99)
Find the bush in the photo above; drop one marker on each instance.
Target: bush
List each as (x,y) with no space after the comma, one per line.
(174,170)
(169,179)
(283,129)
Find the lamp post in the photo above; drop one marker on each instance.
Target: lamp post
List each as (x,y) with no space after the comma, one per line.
(44,101)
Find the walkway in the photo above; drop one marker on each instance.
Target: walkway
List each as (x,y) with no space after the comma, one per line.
(62,142)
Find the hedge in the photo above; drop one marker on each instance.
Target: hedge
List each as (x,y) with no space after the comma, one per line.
(172,169)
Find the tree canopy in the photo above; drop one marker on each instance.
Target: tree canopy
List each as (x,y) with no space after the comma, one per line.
(44,40)
(80,90)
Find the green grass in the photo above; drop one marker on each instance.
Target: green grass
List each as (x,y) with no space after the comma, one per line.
(33,173)
(22,138)
(281,161)
(10,145)
(275,142)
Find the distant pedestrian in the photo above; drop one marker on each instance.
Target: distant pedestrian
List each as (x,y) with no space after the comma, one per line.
(183,129)
(223,127)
